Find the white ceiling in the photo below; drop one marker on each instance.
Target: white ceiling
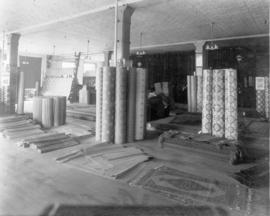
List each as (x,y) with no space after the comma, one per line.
(163,22)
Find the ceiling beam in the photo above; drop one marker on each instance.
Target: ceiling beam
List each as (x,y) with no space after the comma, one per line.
(194,41)
(72,17)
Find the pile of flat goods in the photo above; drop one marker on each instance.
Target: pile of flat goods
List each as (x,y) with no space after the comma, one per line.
(220,148)
(105,159)
(82,111)
(255,176)
(48,142)
(77,127)
(18,126)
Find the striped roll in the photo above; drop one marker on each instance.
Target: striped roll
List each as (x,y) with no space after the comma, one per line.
(120,136)
(260,102)
(141,94)
(266,80)
(99,79)
(131,104)
(231,120)
(199,93)
(218,108)
(20,105)
(108,104)
(207,102)
(47,112)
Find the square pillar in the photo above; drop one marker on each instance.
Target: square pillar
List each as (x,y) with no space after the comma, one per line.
(123,32)
(12,68)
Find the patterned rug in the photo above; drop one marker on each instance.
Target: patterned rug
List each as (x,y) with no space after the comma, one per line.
(189,189)
(187,119)
(69,210)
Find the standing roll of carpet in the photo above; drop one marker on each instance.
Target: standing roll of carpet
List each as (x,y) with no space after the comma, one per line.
(99,83)
(37,89)
(189,93)
(193,91)
(47,112)
(218,107)
(59,110)
(37,109)
(120,136)
(199,93)
(20,105)
(131,104)
(260,102)
(141,103)
(231,106)
(108,104)
(266,80)
(207,102)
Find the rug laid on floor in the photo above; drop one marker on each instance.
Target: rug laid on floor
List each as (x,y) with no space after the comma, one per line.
(187,119)
(68,210)
(190,189)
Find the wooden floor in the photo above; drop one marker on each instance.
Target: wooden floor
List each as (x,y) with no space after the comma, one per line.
(30,183)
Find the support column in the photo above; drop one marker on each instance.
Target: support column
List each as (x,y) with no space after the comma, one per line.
(12,68)
(198,73)
(123,32)
(107,57)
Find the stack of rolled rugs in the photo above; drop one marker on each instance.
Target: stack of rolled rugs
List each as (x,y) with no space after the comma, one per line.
(48,142)
(121,104)
(219,111)
(17,127)
(81,111)
(262,98)
(194,91)
(49,111)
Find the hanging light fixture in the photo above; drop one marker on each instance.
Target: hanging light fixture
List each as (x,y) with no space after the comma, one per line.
(212,45)
(140,52)
(87,51)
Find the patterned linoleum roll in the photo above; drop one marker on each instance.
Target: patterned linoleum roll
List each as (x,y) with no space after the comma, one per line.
(207,102)
(260,102)
(99,78)
(218,107)
(131,104)
(120,136)
(7,98)
(193,87)
(199,93)
(266,80)
(47,112)
(108,104)
(189,93)
(141,103)
(231,106)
